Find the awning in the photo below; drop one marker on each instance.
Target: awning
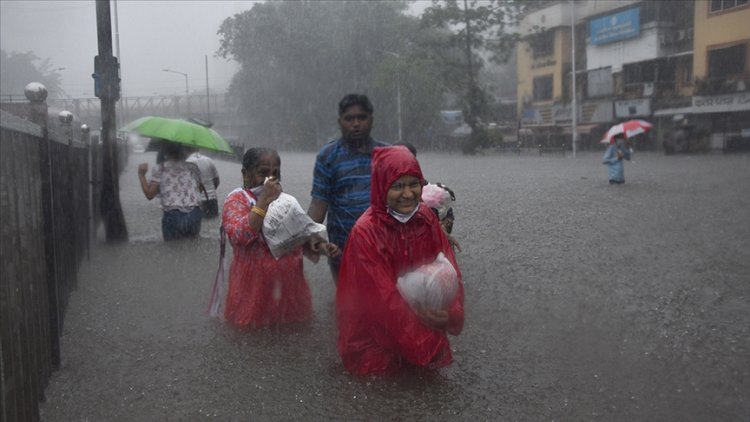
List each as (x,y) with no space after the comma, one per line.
(580,129)
(673,111)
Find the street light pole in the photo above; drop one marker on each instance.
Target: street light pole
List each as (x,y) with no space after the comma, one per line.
(573,103)
(398,91)
(187,91)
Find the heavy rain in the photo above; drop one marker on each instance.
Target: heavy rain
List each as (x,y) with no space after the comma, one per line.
(597,152)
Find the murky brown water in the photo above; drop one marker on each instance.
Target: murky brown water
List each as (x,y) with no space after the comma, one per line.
(584,301)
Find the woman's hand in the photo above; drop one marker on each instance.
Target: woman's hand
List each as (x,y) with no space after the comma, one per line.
(433,318)
(150,190)
(271,191)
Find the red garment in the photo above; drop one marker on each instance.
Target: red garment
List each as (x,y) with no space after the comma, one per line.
(262,290)
(378,331)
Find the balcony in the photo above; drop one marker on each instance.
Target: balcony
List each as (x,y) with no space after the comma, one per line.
(718,86)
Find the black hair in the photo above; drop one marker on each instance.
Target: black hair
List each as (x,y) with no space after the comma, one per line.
(449,190)
(171,150)
(355,99)
(252,156)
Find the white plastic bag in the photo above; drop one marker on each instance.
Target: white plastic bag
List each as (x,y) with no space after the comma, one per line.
(432,286)
(286,225)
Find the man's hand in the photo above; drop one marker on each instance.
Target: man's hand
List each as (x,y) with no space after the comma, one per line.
(318,245)
(142,169)
(454,243)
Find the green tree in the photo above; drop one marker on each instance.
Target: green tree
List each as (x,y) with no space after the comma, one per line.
(480,30)
(19,69)
(299,58)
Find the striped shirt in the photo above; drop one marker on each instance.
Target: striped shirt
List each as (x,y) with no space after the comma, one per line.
(341,178)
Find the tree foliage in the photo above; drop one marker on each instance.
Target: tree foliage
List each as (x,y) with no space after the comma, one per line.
(297,59)
(19,69)
(480,30)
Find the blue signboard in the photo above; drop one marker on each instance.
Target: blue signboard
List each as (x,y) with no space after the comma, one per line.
(619,26)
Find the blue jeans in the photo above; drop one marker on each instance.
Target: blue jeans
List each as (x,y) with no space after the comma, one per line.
(176,224)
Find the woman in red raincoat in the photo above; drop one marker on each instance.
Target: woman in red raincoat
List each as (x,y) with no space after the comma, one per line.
(378,331)
(263,290)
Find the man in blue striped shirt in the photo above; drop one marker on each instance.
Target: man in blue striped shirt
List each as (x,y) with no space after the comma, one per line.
(341,178)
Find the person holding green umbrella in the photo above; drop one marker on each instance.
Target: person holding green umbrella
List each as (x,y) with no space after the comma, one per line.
(179,185)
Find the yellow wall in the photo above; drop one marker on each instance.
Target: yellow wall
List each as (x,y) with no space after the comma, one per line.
(716,29)
(529,68)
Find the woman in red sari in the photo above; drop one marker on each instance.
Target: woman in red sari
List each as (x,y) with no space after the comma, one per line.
(378,331)
(263,290)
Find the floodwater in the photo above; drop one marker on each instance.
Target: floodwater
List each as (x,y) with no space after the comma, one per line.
(584,301)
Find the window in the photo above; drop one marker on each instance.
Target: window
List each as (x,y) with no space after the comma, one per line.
(543,88)
(600,82)
(726,62)
(720,5)
(542,44)
(660,70)
(639,72)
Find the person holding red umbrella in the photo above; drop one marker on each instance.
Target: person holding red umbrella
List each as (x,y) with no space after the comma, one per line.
(616,152)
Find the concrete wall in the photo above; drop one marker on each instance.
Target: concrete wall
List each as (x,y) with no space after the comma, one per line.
(719,29)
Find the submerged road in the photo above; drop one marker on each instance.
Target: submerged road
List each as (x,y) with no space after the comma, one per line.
(584,301)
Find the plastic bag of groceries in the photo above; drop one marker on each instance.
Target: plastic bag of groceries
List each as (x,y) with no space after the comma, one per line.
(287,226)
(432,286)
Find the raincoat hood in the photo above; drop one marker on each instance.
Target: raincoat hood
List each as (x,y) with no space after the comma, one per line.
(388,165)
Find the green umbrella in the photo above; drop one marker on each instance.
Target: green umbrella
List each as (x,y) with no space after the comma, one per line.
(180,131)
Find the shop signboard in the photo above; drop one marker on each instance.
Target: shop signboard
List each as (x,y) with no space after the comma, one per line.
(616,27)
(722,103)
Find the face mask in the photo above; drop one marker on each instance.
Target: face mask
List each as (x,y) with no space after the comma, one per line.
(403,218)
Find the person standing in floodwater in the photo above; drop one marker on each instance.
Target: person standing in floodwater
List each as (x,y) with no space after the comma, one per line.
(178,183)
(341,178)
(263,290)
(616,152)
(210,179)
(379,332)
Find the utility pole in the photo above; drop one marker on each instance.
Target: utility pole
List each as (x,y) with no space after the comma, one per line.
(120,110)
(187,90)
(574,103)
(107,89)
(398,90)
(472,83)
(208,95)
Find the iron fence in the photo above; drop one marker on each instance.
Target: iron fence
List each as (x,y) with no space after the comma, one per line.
(45,208)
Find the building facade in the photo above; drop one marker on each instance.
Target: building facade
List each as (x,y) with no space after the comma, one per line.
(679,64)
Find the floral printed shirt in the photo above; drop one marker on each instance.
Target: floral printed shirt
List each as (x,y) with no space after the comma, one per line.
(179,183)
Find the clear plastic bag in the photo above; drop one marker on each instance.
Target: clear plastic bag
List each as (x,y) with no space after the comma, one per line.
(287,226)
(431,286)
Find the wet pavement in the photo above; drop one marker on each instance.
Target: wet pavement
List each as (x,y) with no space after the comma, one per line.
(584,301)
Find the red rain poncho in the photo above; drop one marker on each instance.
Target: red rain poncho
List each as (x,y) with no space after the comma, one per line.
(378,331)
(263,290)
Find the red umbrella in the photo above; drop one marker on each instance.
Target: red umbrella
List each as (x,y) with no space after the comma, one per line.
(629,129)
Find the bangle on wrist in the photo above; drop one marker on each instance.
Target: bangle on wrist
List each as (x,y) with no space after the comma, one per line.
(258,211)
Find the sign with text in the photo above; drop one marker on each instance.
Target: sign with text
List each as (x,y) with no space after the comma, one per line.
(616,27)
(722,103)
